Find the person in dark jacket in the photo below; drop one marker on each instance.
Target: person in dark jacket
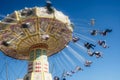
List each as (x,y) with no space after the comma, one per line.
(104,33)
(89,45)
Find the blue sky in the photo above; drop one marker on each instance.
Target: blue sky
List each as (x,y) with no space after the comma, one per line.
(106,14)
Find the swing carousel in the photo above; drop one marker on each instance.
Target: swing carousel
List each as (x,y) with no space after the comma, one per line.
(34,34)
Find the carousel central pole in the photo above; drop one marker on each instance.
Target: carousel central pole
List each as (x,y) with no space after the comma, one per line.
(38,66)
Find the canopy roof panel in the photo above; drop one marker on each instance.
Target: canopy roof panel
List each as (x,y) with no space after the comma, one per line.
(31,28)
